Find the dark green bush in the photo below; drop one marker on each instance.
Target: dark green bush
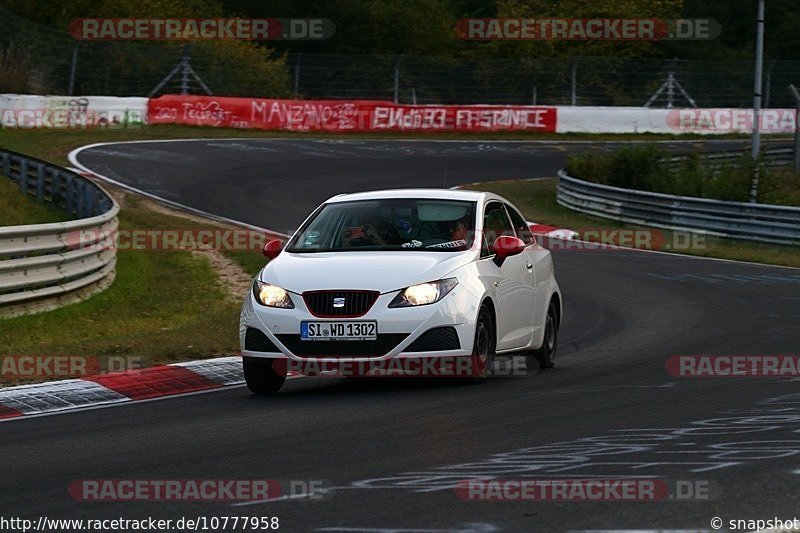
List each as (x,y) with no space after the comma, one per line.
(646,167)
(634,167)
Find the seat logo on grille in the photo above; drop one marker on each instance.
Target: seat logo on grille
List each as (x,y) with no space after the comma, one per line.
(338,302)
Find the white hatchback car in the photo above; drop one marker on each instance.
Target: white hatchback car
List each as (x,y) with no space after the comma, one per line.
(400,276)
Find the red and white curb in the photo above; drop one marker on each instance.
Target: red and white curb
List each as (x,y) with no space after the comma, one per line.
(120,387)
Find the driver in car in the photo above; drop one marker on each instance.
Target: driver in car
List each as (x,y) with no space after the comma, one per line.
(362,235)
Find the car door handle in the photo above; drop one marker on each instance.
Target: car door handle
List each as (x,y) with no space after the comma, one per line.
(528,266)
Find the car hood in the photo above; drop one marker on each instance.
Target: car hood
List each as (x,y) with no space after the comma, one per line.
(381,271)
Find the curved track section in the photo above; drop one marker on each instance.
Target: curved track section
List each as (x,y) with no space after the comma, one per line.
(394,449)
(274,183)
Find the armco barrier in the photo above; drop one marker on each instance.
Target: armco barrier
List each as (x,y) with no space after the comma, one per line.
(752,222)
(44,266)
(772,157)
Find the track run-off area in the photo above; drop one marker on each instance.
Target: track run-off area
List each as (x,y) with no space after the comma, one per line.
(392,451)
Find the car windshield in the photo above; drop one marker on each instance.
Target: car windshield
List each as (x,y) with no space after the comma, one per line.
(396,224)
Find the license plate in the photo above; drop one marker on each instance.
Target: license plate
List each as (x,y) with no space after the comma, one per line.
(335,331)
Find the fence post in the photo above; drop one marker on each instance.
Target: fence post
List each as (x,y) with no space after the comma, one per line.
(73,68)
(184,70)
(758,84)
(574,98)
(796,95)
(768,89)
(397,78)
(297,75)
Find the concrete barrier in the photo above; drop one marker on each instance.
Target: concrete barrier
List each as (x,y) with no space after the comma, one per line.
(21,111)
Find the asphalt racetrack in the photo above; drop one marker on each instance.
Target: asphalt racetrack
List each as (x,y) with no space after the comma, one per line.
(392,451)
(274,183)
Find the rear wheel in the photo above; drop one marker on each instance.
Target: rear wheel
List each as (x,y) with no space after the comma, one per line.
(483,349)
(546,355)
(264,376)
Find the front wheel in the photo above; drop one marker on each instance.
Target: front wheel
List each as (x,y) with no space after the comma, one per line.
(482,357)
(264,376)
(546,355)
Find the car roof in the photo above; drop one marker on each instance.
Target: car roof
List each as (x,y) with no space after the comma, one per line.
(434,194)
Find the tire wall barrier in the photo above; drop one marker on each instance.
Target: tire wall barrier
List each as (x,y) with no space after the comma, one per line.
(44,266)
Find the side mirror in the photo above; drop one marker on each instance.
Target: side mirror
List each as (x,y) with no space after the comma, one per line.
(272,249)
(506,246)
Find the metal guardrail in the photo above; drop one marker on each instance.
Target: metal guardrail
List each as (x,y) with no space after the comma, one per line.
(771,157)
(738,220)
(44,266)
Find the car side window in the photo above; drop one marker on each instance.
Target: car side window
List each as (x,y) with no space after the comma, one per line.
(520,226)
(495,224)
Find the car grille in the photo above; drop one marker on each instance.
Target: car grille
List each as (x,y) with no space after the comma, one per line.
(436,340)
(356,303)
(256,341)
(380,346)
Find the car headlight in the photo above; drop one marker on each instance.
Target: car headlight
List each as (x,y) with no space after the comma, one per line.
(424,293)
(271,295)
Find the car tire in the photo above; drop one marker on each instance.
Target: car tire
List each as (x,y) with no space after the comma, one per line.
(483,348)
(264,376)
(546,355)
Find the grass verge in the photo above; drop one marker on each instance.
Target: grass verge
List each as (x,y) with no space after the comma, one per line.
(17,208)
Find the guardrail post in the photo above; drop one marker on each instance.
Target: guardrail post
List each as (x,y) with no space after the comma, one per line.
(55,188)
(104,203)
(23,176)
(88,206)
(40,172)
(80,198)
(69,197)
